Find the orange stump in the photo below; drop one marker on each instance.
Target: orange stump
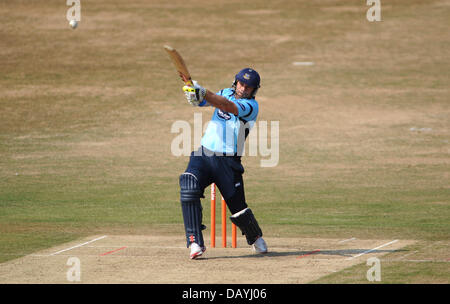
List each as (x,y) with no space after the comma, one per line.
(224,222)
(213,215)
(233,236)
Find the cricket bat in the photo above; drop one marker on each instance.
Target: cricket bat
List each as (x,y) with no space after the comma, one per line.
(180,65)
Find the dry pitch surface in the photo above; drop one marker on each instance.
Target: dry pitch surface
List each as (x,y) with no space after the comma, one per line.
(164,260)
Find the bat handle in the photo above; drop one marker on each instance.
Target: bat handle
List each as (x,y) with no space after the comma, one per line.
(187,81)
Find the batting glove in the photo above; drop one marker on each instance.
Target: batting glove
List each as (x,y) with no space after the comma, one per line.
(195,94)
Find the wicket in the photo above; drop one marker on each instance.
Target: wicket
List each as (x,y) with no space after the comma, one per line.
(224,222)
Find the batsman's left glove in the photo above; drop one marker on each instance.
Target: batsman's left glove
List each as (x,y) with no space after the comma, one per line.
(194,94)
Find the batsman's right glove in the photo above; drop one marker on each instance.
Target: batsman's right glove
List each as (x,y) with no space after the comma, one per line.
(195,94)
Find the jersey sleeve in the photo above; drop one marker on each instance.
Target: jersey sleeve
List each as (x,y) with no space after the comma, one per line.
(247,108)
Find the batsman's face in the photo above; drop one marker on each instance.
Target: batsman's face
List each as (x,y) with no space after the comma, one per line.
(243,90)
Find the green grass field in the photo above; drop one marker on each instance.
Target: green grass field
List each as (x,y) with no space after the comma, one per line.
(86,114)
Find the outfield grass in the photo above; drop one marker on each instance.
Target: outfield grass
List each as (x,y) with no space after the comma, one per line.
(364,133)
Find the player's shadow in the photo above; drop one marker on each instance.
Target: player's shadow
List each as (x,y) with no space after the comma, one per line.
(300,254)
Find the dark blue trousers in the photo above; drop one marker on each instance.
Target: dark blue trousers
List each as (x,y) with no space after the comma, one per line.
(226,172)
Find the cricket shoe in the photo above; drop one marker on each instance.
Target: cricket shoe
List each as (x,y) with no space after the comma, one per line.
(260,246)
(196,250)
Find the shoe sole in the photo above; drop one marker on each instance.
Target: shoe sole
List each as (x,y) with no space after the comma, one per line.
(197,254)
(261,252)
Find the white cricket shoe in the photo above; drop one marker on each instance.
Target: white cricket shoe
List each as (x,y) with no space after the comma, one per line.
(196,250)
(260,246)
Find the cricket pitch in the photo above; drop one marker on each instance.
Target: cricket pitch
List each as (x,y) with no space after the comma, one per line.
(151,259)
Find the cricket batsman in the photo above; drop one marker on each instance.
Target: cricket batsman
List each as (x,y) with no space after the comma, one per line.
(218,159)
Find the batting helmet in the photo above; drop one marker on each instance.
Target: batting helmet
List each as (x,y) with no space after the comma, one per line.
(250,77)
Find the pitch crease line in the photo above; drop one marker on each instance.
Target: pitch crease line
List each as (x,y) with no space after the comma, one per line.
(347,240)
(79,245)
(309,253)
(373,249)
(112,251)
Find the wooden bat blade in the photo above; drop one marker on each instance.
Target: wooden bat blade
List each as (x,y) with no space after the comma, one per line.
(179,63)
